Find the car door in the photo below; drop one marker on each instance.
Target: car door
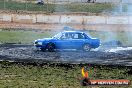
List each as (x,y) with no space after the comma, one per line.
(63,42)
(78,40)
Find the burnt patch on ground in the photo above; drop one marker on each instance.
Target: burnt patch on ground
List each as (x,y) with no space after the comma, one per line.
(27,53)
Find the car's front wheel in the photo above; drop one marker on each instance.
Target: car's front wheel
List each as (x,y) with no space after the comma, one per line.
(51,47)
(86,47)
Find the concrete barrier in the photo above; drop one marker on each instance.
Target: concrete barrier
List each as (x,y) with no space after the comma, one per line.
(126,1)
(65,19)
(24,18)
(130,20)
(40,18)
(118,20)
(5,17)
(94,19)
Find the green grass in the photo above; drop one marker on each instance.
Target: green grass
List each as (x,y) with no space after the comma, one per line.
(74,7)
(55,76)
(105,36)
(27,37)
(21,36)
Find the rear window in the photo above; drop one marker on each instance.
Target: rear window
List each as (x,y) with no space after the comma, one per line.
(78,36)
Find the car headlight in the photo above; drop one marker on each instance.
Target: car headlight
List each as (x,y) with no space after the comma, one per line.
(39,43)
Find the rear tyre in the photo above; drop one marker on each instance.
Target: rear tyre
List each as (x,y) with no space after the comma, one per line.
(86,47)
(51,47)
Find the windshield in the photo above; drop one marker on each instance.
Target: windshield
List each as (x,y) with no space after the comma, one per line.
(57,35)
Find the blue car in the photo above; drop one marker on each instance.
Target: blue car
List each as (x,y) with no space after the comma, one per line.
(68,40)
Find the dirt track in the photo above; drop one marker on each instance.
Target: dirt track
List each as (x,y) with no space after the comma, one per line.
(58,27)
(27,53)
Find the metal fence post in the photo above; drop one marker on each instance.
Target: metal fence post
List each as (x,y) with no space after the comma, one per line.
(26,5)
(47,7)
(4,4)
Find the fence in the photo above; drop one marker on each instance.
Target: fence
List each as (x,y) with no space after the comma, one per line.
(68,5)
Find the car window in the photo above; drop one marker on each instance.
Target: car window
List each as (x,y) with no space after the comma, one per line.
(65,36)
(81,36)
(75,36)
(78,36)
(57,35)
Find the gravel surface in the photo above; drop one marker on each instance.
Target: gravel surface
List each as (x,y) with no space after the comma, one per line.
(27,53)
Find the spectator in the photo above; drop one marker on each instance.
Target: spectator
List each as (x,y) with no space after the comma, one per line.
(40,2)
(88,1)
(94,1)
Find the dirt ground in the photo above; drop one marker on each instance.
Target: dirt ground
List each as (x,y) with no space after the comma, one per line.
(27,53)
(58,27)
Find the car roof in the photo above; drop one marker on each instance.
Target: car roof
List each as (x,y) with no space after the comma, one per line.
(72,32)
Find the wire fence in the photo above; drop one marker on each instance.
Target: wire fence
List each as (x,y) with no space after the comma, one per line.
(93,6)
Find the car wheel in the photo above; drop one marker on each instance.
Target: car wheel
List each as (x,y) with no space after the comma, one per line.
(51,47)
(43,49)
(86,47)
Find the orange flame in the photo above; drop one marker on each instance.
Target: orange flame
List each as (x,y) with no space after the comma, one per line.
(84,74)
